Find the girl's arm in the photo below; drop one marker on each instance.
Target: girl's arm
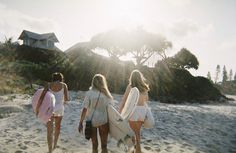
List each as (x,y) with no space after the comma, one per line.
(124,98)
(41,98)
(80,128)
(66,95)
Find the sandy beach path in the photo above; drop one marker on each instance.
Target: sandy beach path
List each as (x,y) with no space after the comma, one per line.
(186,128)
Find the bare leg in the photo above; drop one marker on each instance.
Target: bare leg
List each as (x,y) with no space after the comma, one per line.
(49,135)
(57,130)
(103,132)
(136,127)
(94,140)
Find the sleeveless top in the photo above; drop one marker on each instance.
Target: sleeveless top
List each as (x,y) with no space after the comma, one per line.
(59,105)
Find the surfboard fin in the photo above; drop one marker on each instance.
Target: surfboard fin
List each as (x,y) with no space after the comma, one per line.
(119,143)
(127,137)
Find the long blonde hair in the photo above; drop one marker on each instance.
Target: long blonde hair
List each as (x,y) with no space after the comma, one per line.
(137,80)
(99,82)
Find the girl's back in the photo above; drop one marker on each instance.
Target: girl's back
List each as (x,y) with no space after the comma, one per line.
(93,98)
(143,98)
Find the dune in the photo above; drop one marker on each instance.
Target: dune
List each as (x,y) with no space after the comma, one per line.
(185,128)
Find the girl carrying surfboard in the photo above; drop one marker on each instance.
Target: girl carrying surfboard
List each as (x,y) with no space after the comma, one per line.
(48,105)
(94,108)
(134,110)
(59,89)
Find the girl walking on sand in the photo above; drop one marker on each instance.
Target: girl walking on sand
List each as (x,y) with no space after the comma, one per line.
(136,119)
(60,91)
(95,102)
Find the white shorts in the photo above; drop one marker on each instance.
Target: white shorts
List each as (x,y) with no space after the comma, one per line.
(58,111)
(138,114)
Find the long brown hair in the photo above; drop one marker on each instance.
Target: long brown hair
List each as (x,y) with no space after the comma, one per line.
(99,82)
(57,76)
(137,80)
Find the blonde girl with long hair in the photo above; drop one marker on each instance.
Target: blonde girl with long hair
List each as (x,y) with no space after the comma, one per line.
(96,100)
(137,117)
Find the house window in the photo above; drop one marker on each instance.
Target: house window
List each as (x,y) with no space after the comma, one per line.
(50,44)
(26,41)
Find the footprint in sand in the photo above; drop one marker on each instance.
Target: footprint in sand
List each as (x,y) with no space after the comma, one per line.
(64,149)
(149,140)
(9,141)
(65,140)
(185,145)
(23,147)
(147,148)
(31,143)
(168,148)
(166,142)
(38,130)
(157,149)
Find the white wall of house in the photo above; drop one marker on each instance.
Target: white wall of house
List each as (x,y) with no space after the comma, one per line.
(46,44)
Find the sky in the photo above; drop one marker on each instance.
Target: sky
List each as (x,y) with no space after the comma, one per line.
(205,27)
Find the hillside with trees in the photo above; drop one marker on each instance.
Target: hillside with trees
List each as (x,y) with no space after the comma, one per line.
(169,80)
(10,81)
(22,66)
(227,83)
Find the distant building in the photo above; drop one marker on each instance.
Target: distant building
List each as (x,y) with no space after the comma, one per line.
(45,41)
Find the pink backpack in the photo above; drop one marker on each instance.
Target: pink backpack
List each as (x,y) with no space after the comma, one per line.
(47,105)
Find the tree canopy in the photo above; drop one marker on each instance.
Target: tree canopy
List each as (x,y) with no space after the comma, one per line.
(225,75)
(112,41)
(217,73)
(140,43)
(209,76)
(184,59)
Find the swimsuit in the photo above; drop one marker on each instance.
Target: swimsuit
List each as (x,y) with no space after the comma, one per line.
(59,105)
(138,114)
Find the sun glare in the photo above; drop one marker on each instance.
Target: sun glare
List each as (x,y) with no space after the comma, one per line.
(129,14)
(127,57)
(100,51)
(123,13)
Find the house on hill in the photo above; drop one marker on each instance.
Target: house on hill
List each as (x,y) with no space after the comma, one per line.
(45,41)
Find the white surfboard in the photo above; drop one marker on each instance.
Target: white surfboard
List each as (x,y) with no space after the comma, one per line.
(47,106)
(119,128)
(130,103)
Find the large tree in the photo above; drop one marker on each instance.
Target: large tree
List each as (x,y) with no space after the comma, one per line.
(230,75)
(209,76)
(140,43)
(184,59)
(235,76)
(225,75)
(144,45)
(112,41)
(217,73)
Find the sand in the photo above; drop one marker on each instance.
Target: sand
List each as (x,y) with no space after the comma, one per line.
(185,128)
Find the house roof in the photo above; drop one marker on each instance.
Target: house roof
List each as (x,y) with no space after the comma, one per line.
(36,36)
